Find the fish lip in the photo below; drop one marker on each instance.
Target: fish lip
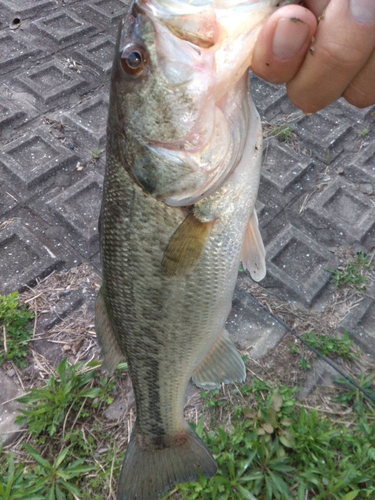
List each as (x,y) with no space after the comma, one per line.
(282,3)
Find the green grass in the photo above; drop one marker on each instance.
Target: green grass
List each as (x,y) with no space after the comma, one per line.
(96,153)
(47,406)
(278,450)
(56,416)
(363,133)
(328,157)
(267,445)
(15,330)
(331,346)
(353,274)
(326,344)
(282,133)
(305,364)
(51,481)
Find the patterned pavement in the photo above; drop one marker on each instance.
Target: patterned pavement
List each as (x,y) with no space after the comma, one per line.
(317,190)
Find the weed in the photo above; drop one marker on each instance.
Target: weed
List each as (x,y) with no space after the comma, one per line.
(277,450)
(46,481)
(15,484)
(329,346)
(354,396)
(15,331)
(363,133)
(328,157)
(304,364)
(47,406)
(96,153)
(353,274)
(282,133)
(210,399)
(293,348)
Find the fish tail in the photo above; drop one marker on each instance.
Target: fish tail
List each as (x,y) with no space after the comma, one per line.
(148,474)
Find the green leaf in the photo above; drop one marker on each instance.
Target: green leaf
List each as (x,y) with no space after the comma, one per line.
(245,493)
(268,428)
(269,490)
(122,366)
(59,494)
(36,456)
(89,393)
(280,484)
(287,422)
(51,494)
(10,477)
(251,477)
(351,495)
(245,465)
(61,457)
(302,491)
(71,488)
(76,471)
(277,401)
(91,364)
(287,439)
(199,429)
(61,369)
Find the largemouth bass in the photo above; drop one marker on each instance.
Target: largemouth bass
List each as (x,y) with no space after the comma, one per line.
(183,168)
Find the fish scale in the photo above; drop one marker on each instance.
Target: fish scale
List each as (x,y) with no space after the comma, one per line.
(175,222)
(175,320)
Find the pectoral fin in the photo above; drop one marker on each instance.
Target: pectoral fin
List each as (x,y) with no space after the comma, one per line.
(253,253)
(186,246)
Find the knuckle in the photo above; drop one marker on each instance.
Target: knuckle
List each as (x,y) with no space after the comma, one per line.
(336,54)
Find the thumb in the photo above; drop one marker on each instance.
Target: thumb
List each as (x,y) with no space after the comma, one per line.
(282,44)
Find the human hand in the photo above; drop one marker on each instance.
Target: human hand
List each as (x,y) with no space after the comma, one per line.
(320,61)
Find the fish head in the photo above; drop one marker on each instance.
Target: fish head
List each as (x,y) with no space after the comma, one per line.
(178,110)
(160,82)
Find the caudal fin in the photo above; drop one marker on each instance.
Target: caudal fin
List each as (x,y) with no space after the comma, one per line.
(147,475)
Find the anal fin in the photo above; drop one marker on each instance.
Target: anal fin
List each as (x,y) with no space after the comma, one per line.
(253,254)
(223,364)
(111,351)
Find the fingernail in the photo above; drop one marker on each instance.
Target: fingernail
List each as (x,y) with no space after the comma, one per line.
(363,11)
(289,37)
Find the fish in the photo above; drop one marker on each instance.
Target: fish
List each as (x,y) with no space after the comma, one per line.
(184,147)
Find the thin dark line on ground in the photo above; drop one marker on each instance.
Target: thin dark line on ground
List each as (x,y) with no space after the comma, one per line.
(319,354)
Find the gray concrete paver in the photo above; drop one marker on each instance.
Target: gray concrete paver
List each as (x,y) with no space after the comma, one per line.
(316,192)
(24,258)
(9,390)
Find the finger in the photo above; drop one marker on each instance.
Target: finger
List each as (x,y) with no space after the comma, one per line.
(344,42)
(282,44)
(361,91)
(317,6)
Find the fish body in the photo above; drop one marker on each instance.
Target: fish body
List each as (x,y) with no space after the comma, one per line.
(182,175)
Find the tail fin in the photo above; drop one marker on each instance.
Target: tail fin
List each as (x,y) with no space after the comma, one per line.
(147,475)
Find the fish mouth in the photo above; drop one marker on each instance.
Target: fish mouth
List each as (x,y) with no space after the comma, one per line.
(287,2)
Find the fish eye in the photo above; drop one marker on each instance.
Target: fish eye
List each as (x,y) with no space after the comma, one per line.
(133,60)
